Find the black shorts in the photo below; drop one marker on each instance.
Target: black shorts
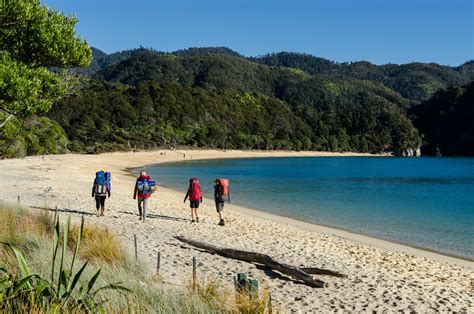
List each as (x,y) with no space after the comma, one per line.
(99,201)
(194,204)
(219,206)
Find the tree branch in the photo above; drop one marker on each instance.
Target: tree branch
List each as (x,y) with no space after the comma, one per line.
(11,116)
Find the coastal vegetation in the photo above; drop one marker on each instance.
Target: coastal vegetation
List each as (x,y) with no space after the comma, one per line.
(93,277)
(221,101)
(208,97)
(213,97)
(446,121)
(33,39)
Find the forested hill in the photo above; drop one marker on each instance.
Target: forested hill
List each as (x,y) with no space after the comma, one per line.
(447,122)
(207,98)
(416,81)
(214,97)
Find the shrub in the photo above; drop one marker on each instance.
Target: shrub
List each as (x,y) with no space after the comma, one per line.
(68,292)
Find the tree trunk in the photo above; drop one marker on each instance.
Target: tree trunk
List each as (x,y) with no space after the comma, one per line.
(252,257)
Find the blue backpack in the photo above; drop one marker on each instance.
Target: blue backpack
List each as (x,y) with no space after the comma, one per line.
(102,182)
(145,186)
(107,180)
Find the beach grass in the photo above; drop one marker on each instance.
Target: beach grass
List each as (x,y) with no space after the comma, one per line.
(246,303)
(98,245)
(32,233)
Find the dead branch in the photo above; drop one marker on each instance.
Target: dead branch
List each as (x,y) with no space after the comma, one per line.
(252,257)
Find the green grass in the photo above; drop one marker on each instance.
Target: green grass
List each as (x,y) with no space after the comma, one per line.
(32,233)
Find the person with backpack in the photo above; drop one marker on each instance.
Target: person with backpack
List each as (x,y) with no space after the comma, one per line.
(221,189)
(195,197)
(100,189)
(144,187)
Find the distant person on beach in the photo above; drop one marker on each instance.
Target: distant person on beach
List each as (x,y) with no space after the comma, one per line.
(195,197)
(100,189)
(144,187)
(221,189)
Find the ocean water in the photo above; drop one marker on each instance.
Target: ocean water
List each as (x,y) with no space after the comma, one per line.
(424,202)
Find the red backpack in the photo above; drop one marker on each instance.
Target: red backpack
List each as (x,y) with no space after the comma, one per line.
(224,186)
(195,193)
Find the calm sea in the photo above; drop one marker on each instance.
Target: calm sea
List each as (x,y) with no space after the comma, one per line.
(425,202)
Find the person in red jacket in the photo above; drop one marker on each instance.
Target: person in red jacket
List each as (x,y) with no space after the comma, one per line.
(143,193)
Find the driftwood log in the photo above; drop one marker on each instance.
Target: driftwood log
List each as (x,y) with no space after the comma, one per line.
(322,271)
(266,260)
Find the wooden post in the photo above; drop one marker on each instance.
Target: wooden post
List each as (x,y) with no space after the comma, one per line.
(194,272)
(136,248)
(158,260)
(268,305)
(265,309)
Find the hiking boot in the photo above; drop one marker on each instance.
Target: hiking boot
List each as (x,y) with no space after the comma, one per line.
(197,219)
(193,221)
(221,222)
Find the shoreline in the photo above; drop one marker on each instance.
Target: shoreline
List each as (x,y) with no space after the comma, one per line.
(386,244)
(346,234)
(378,279)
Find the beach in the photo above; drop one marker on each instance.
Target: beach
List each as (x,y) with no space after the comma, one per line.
(381,275)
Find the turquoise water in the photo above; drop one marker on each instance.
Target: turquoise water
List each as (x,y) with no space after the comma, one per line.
(425,202)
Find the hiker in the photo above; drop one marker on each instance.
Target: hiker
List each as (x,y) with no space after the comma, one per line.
(100,189)
(144,187)
(195,197)
(221,189)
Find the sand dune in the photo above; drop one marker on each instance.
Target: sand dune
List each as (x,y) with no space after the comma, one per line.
(381,275)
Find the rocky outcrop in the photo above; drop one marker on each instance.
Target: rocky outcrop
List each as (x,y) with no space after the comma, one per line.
(409,152)
(412,152)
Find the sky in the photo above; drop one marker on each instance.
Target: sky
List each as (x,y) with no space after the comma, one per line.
(378,31)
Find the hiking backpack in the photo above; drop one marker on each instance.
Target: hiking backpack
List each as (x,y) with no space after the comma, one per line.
(145,186)
(107,181)
(195,193)
(224,187)
(102,183)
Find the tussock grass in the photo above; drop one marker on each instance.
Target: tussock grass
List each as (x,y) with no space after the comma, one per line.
(23,230)
(32,233)
(211,291)
(246,304)
(20,228)
(98,245)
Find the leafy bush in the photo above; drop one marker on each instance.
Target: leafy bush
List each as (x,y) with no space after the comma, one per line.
(30,290)
(39,136)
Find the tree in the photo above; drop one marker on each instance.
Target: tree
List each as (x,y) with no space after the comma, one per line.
(34,39)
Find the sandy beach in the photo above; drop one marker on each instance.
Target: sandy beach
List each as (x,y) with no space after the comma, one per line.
(381,275)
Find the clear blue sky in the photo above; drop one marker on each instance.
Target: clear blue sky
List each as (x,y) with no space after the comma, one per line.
(379,31)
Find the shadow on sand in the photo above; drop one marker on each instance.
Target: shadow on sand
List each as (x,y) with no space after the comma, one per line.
(154,216)
(275,275)
(65,210)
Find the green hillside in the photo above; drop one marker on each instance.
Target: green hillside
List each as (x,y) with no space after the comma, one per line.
(416,81)
(217,98)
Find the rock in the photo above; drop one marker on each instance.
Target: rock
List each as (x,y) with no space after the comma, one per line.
(409,152)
